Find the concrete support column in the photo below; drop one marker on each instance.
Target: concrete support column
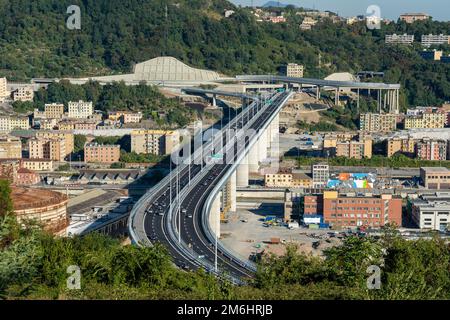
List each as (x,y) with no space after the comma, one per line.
(253,158)
(233,181)
(242,173)
(262,146)
(214,101)
(214,216)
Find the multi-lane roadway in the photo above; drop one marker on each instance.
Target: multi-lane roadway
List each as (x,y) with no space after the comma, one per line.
(161,217)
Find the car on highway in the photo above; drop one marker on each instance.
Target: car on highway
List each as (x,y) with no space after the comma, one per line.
(189,216)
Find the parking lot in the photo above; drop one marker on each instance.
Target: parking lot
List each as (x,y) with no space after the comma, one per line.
(246,233)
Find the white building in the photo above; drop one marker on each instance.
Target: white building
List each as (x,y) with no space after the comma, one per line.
(320,174)
(23,94)
(432,211)
(80,109)
(400,39)
(429,40)
(3,89)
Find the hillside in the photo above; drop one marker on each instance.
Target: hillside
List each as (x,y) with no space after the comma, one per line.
(34,42)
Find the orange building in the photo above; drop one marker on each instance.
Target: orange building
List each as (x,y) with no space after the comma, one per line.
(354,211)
(99,153)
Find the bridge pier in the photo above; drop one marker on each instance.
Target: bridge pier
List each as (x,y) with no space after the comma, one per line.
(233,185)
(214,215)
(242,173)
(253,158)
(262,147)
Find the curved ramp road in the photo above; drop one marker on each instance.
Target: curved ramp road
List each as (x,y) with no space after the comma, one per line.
(159,214)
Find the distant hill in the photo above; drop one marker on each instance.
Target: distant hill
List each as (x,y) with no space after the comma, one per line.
(275,4)
(116,34)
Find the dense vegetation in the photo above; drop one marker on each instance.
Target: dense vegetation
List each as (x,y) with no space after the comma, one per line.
(396,161)
(119,97)
(34,42)
(34,265)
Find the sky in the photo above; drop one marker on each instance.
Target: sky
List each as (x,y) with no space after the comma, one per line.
(390,9)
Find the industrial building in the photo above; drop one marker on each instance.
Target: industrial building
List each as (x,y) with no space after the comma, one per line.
(355,210)
(431,211)
(43,206)
(435,177)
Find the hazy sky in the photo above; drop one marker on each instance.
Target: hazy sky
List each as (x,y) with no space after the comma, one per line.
(391,9)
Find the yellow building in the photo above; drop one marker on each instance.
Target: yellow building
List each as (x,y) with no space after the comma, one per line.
(54,110)
(157,142)
(402,145)
(50,148)
(378,122)
(37,164)
(426,120)
(10,147)
(278,180)
(348,145)
(3,89)
(8,123)
(67,136)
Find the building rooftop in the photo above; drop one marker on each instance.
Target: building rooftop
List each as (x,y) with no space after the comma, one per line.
(26,198)
(435,169)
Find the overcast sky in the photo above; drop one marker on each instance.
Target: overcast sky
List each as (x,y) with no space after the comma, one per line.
(391,9)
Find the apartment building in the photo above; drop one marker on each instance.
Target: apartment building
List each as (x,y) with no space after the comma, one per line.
(320,175)
(47,123)
(19,123)
(351,210)
(277,19)
(348,145)
(54,110)
(429,40)
(56,134)
(413,17)
(313,204)
(157,142)
(10,147)
(8,123)
(23,94)
(288,179)
(378,122)
(51,148)
(406,39)
(293,70)
(80,109)
(37,164)
(430,119)
(432,211)
(99,153)
(308,23)
(85,124)
(125,117)
(3,89)
(435,177)
(400,145)
(431,149)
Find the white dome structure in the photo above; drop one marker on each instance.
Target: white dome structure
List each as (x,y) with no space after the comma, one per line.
(341,76)
(171,69)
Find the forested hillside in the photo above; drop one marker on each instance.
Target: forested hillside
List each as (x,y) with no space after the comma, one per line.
(115,34)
